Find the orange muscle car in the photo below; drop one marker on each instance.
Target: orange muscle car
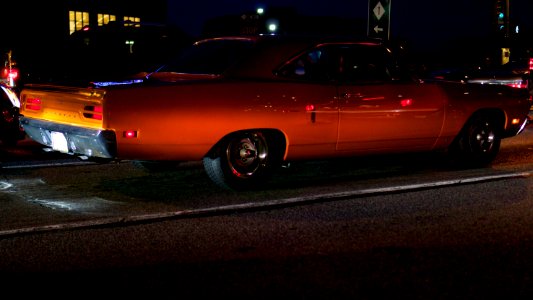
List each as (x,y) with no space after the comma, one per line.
(246,105)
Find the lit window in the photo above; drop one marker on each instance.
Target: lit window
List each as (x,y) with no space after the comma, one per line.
(103,19)
(77,20)
(132,21)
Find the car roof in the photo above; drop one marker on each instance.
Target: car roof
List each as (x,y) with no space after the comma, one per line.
(296,39)
(272,50)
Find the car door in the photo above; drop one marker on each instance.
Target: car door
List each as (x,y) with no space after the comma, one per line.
(380,113)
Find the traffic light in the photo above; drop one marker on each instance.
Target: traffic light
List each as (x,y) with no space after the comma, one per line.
(501,18)
(501,12)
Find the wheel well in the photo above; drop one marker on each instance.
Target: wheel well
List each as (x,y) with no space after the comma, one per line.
(275,138)
(496,115)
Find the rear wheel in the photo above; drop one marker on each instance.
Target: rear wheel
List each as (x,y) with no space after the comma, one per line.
(478,143)
(244,161)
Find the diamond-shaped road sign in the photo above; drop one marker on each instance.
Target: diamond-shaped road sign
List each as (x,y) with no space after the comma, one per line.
(379,19)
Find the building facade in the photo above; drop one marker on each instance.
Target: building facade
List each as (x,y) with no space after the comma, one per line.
(38,32)
(56,20)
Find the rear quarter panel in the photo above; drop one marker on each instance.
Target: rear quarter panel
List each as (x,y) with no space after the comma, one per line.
(183,121)
(467,99)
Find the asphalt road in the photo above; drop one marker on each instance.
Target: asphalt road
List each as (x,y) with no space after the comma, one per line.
(466,241)
(358,229)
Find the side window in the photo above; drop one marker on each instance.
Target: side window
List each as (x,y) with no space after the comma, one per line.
(313,65)
(348,63)
(360,64)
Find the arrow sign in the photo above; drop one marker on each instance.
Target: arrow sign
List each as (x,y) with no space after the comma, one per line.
(379,19)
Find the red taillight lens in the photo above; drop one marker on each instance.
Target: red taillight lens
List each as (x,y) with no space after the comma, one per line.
(521,85)
(8,73)
(13,74)
(531,64)
(93,112)
(33,103)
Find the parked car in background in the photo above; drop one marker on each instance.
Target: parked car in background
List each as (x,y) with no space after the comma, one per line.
(9,73)
(10,130)
(247,105)
(514,73)
(102,52)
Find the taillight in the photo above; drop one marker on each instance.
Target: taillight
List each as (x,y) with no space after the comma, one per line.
(93,112)
(10,73)
(33,103)
(531,64)
(13,74)
(518,85)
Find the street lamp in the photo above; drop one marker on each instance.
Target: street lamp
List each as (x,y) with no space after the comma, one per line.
(272,25)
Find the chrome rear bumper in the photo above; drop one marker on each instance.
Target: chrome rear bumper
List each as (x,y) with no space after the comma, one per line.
(79,141)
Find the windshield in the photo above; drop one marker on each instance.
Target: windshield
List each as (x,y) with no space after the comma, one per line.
(212,56)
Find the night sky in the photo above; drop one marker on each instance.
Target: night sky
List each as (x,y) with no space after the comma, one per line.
(428,23)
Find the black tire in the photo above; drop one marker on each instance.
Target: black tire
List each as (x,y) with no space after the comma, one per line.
(478,143)
(243,162)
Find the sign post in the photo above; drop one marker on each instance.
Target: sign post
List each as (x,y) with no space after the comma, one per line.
(379,19)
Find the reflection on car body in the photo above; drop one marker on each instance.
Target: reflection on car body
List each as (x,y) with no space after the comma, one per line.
(246,105)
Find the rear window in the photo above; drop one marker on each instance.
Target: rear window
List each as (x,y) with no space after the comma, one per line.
(209,57)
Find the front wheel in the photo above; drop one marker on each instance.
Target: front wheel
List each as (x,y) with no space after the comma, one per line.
(478,143)
(244,161)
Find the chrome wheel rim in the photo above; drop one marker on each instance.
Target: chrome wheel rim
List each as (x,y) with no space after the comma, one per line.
(484,138)
(247,155)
